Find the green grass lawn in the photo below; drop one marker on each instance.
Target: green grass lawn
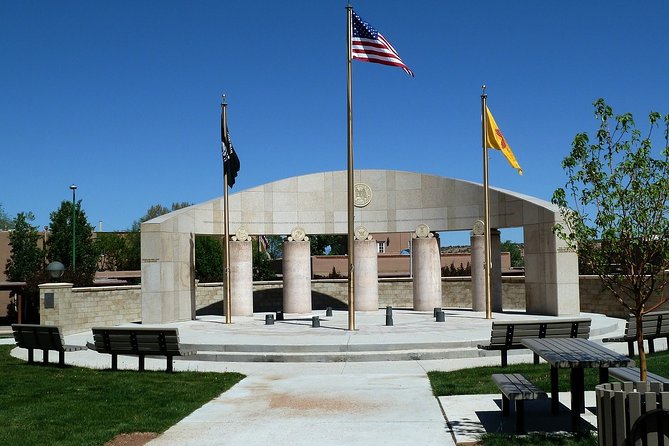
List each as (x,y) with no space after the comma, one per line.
(477,380)
(76,406)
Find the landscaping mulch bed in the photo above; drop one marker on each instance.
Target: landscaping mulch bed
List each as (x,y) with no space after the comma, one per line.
(132,439)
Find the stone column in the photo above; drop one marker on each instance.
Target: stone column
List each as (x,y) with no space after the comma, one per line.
(166,274)
(478,272)
(241,278)
(296,277)
(496,272)
(426,274)
(551,270)
(55,306)
(366,275)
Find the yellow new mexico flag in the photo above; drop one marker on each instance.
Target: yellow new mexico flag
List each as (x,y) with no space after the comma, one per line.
(495,140)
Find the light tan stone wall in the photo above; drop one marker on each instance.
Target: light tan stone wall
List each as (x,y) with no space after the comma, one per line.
(398,293)
(208,294)
(393,265)
(595,298)
(78,309)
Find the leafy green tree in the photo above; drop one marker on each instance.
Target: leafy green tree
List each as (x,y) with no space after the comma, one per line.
(274,246)
(133,248)
(513,249)
(26,263)
(262,264)
(26,258)
(133,252)
(156,211)
(59,244)
(6,223)
(208,258)
(337,244)
(111,246)
(615,210)
(117,251)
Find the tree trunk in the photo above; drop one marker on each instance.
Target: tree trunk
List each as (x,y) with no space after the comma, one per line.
(639,342)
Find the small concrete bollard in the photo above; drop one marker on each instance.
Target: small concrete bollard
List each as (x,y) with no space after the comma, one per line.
(441,316)
(389,316)
(436,310)
(315,322)
(328,311)
(269,319)
(279,315)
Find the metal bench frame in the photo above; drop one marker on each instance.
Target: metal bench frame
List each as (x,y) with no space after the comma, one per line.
(43,337)
(655,326)
(507,335)
(141,342)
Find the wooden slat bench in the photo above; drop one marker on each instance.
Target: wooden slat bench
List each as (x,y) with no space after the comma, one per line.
(655,326)
(45,338)
(139,341)
(506,335)
(633,373)
(516,387)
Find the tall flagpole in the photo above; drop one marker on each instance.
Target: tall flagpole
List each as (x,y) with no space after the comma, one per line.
(226,215)
(486,205)
(349,115)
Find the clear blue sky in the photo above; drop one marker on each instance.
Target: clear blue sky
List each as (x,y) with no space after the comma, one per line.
(123,98)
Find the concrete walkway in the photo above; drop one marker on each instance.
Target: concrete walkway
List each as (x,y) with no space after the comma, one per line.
(333,410)
(353,401)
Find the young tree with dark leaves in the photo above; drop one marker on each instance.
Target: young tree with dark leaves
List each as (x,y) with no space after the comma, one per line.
(59,244)
(27,258)
(6,223)
(26,263)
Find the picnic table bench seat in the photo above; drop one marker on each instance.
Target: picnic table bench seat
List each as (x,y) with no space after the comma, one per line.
(43,337)
(632,374)
(655,325)
(139,341)
(507,335)
(517,388)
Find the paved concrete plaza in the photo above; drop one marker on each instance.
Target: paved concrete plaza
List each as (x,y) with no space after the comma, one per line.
(329,385)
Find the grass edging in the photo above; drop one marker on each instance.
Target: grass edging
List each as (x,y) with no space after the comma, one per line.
(45,404)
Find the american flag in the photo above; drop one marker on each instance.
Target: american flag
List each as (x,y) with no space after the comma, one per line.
(367,44)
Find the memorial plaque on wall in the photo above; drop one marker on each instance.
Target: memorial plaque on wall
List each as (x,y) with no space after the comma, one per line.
(48,300)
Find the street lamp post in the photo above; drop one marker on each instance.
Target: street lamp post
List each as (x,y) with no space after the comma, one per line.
(74,229)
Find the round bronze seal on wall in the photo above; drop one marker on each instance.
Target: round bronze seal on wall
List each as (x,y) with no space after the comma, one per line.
(362,195)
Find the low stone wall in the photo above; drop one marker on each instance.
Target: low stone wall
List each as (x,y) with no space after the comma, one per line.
(79,309)
(208,296)
(595,298)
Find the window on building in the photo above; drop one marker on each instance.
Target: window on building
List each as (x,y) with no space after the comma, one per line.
(381,247)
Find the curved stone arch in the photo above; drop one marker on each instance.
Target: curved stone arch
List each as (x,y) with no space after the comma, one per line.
(317,202)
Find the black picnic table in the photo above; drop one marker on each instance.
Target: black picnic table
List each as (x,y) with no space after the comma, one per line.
(575,354)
